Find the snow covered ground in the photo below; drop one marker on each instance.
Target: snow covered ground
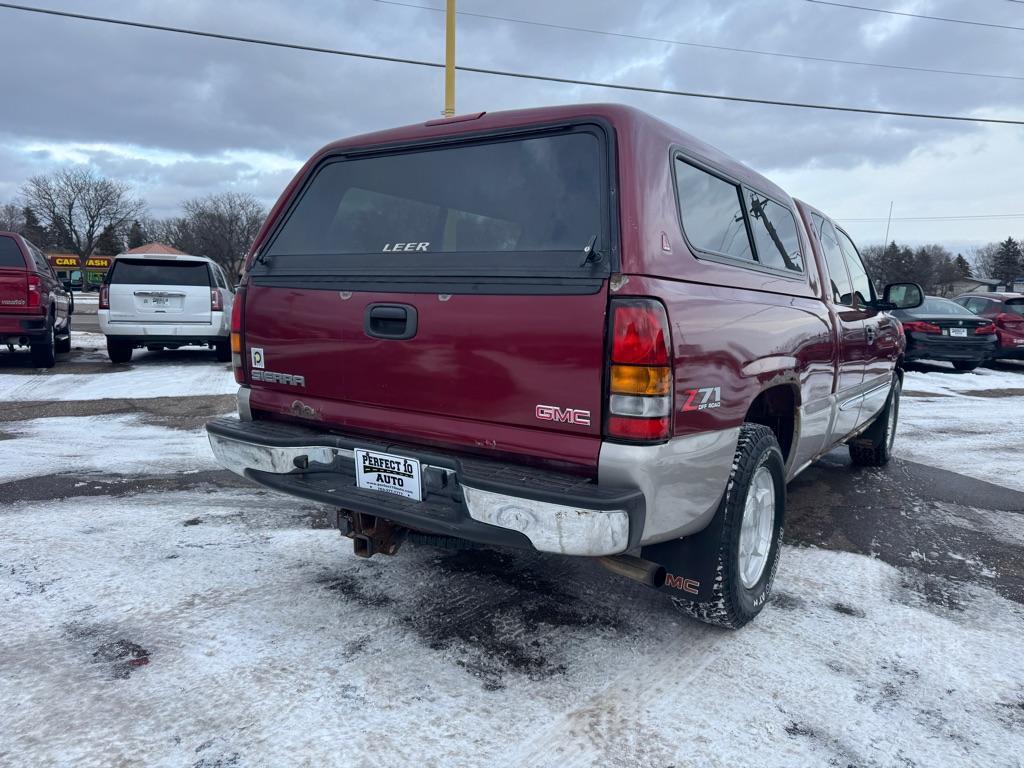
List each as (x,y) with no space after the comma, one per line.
(226,626)
(969,423)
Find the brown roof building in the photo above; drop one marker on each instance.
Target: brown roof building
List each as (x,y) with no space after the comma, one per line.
(156,248)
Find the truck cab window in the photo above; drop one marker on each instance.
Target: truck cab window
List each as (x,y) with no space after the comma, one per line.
(862,286)
(839,279)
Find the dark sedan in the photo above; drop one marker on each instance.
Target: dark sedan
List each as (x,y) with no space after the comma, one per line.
(941,329)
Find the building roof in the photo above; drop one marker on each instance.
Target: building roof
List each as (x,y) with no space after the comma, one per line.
(156,248)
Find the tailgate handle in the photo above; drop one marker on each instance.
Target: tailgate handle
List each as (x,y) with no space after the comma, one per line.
(390,321)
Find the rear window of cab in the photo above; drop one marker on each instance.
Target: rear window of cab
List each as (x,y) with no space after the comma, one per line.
(723,219)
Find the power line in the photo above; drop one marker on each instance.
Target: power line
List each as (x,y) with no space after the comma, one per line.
(917,15)
(979,217)
(707,46)
(509,73)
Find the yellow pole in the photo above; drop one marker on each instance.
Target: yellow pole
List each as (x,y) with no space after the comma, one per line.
(449,60)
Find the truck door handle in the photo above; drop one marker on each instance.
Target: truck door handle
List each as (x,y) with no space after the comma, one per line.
(390,321)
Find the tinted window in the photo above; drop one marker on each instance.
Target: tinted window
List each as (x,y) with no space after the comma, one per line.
(1015,305)
(42,263)
(542,194)
(150,272)
(842,290)
(858,274)
(775,237)
(10,254)
(712,213)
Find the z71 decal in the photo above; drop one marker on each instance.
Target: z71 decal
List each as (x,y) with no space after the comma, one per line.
(702,399)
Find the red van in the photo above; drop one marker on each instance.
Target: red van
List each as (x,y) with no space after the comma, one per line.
(576,330)
(35,306)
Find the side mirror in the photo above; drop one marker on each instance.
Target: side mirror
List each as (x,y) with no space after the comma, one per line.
(902,296)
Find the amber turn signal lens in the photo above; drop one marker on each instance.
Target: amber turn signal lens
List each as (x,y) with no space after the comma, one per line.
(236,343)
(640,380)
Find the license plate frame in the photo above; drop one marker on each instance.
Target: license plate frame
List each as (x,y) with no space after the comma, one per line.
(389,473)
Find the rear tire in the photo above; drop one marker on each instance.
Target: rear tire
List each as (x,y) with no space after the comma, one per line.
(874,447)
(965,365)
(223,350)
(119,350)
(44,352)
(754,510)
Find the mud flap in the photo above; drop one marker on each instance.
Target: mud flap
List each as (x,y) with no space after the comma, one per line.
(691,563)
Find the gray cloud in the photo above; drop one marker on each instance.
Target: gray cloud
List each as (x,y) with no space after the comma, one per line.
(81,83)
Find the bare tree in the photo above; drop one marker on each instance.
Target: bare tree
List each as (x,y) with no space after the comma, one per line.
(80,206)
(984,259)
(220,226)
(12,218)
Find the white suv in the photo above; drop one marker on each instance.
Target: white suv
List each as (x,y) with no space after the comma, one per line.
(159,301)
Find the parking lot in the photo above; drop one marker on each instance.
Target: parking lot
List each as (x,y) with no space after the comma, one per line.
(159,610)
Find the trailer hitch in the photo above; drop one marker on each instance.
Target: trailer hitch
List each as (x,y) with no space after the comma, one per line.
(371,535)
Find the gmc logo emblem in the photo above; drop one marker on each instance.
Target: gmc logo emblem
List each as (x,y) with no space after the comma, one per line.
(562,415)
(686,585)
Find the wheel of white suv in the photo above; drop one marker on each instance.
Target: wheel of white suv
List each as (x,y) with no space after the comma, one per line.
(754,509)
(44,352)
(119,350)
(874,447)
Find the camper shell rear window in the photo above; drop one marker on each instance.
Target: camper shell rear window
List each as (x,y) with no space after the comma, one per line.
(528,204)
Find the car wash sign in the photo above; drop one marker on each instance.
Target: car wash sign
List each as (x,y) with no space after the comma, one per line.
(98,262)
(65,261)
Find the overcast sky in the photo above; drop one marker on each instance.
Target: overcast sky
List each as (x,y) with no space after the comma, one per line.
(180,117)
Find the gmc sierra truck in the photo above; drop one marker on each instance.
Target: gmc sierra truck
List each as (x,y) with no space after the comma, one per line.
(35,306)
(576,330)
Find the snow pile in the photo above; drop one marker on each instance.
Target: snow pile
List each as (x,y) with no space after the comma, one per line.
(145,379)
(121,444)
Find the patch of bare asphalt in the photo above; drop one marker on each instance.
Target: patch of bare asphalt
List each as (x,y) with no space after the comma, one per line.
(940,526)
(176,412)
(71,485)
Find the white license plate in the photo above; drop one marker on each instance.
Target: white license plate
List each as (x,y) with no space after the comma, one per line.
(958,332)
(388,473)
(156,301)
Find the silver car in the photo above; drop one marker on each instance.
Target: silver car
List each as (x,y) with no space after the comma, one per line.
(161,301)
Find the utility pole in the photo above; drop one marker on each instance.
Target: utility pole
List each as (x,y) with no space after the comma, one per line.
(449,60)
(887,223)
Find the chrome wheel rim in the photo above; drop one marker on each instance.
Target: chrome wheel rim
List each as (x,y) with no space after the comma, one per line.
(757,526)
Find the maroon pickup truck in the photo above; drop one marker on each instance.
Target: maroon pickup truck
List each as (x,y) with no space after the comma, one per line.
(35,306)
(576,330)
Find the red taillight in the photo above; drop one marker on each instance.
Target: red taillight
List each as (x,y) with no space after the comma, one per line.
(920,326)
(639,372)
(1009,320)
(216,302)
(104,296)
(985,329)
(34,298)
(639,332)
(237,363)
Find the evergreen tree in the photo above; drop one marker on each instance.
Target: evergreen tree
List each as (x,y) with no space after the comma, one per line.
(963,267)
(1009,262)
(136,235)
(109,243)
(33,230)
